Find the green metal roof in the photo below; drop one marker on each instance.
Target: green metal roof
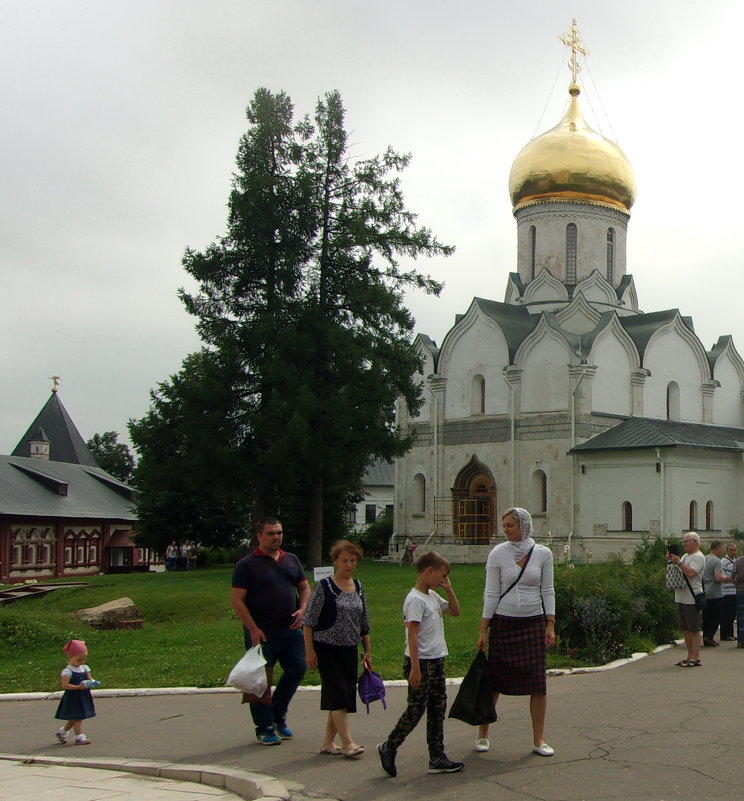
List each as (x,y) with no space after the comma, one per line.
(646,432)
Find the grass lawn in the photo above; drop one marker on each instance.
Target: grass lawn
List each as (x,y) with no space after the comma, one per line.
(191,636)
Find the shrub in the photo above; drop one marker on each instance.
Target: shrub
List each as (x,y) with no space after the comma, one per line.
(375,538)
(652,551)
(603,610)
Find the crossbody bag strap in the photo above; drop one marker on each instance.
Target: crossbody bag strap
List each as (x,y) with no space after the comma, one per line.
(516,580)
(689,586)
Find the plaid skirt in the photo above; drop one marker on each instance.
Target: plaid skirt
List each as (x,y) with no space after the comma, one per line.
(516,655)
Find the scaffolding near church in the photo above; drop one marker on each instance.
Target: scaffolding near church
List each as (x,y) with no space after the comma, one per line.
(464,520)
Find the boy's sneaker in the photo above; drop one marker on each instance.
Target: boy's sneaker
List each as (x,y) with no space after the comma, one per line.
(62,735)
(444,765)
(387,759)
(268,738)
(283,731)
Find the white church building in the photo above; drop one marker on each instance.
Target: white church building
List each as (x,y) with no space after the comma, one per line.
(609,424)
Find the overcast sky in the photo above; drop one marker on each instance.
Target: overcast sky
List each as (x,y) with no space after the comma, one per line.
(120,123)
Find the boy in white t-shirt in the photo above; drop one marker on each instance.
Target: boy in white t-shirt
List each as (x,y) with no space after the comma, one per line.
(424,665)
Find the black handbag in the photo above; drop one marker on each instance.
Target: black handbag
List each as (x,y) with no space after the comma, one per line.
(473,703)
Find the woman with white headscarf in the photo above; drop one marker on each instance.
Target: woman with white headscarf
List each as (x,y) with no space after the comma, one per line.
(518,621)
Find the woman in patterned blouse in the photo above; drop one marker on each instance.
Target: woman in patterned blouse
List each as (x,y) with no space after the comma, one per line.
(336,621)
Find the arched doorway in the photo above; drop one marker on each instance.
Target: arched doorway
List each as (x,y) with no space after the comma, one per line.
(473,504)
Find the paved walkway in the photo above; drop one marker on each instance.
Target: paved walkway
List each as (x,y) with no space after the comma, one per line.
(24,781)
(647,731)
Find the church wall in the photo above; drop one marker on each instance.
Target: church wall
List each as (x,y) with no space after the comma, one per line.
(414,507)
(611,388)
(608,481)
(549,456)
(700,476)
(727,400)
(545,384)
(479,350)
(660,498)
(670,358)
(550,220)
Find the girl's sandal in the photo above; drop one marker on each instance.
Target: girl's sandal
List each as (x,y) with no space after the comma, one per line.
(332,749)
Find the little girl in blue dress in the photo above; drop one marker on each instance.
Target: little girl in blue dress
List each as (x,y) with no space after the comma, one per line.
(76,704)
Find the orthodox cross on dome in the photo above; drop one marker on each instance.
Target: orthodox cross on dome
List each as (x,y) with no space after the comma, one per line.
(55,378)
(572,40)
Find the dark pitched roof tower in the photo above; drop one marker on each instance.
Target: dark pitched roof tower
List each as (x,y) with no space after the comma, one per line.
(55,425)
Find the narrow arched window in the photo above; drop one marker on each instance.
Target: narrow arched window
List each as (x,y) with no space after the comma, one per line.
(672,400)
(693,515)
(419,494)
(627,516)
(709,516)
(478,395)
(540,492)
(533,249)
(610,254)
(570,253)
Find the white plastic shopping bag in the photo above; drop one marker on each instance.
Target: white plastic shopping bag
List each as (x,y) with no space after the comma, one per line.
(249,675)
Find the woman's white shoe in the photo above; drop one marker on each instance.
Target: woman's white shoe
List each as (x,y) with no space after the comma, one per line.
(543,750)
(482,744)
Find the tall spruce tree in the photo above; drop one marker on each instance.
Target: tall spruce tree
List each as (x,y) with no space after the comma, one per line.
(303,296)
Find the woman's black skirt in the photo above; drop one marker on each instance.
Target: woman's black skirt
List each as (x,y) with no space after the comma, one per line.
(516,655)
(337,665)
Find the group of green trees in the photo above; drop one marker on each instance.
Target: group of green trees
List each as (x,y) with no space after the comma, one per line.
(306,341)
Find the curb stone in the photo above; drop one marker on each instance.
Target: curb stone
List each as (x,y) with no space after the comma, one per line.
(246,784)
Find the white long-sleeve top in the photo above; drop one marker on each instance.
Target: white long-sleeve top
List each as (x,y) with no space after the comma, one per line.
(533,591)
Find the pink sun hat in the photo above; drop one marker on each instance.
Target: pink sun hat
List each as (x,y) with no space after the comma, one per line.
(75,647)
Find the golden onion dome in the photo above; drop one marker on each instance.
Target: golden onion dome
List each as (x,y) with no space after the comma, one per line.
(572,162)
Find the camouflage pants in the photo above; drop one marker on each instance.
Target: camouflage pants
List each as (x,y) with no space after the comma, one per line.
(430,697)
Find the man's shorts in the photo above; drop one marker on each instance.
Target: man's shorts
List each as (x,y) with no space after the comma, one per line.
(688,617)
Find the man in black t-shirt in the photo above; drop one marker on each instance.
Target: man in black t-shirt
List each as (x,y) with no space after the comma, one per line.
(269,596)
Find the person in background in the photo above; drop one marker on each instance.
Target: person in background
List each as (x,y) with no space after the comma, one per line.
(269,596)
(713,578)
(171,554)
(739,584)
(336,621)
(728,611)
(408,551)
(183,555)
(518,622)
(692,565)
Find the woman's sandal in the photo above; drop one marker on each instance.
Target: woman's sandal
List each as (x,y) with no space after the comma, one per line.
(352,750)
(693,663)
(332,749)
(682,663)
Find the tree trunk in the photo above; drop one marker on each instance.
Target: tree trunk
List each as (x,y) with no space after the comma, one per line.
(315,528)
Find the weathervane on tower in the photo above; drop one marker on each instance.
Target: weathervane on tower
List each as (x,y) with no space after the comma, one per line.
(572,40)
(55,378)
